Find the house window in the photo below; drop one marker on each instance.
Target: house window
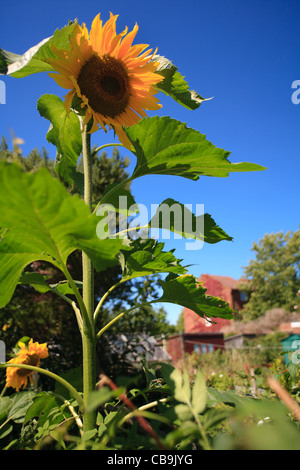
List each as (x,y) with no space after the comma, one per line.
(243,296)
(206,348)
(196,348)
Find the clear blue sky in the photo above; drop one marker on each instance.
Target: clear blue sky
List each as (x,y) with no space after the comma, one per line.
(244,53)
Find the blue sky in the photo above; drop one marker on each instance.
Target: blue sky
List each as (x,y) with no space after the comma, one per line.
(243,53)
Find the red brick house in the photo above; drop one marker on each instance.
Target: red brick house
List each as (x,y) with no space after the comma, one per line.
(292,327)
(186,343)
(218,286)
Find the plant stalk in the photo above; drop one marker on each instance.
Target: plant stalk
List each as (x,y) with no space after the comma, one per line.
(53,376)
(88,327)
(96,313)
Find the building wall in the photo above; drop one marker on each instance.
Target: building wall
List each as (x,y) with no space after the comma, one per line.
(237,303)
(178,345)
(175,348)
(195,324)
(217,286)
(237,341)
(210,342)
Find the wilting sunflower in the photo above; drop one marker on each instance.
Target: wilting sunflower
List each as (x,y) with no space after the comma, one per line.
(30,355)
(114,79)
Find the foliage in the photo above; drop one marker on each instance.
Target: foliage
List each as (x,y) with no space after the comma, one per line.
(180,322)
(165,146)
(273,277)
(235,368)
(163,407)
(34,310)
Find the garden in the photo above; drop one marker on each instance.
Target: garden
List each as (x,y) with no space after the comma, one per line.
(72,245)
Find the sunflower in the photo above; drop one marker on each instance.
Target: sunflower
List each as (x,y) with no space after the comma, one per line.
(30,355)
(113,79)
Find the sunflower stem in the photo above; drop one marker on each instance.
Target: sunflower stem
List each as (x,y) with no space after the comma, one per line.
(88,327)
(53,376)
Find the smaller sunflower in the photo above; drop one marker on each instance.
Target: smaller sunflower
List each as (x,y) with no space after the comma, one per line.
(30,355)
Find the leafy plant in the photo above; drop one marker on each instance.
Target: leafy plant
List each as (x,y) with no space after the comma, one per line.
(53,224)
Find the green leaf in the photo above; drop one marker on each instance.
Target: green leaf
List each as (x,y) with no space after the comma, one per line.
(230,397)
(89,434)
(193,402)
(5,405)
(64,288)
(212,232)
(185,291)
(46,408)
(145,257)
(40,220)
(175,86)
(36,280)
(199,393)
(214,416)
(178,383)
(5,429)
(20,403)
(183,437)
(183,412)
(64,133)
(15,254)
(74,377)
(114,195)
(39,404)
(101,396)
(76,175)
(165,146)
(176,217)
(35,59)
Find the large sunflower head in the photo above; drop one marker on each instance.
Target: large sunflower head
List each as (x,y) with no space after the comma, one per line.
(29,355)
(113,79)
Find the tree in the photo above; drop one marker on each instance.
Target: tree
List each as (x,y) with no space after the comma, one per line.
(273,277)
(180,323)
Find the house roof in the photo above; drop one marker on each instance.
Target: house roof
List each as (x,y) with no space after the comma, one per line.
(224,280)
(197,334)
(228,339)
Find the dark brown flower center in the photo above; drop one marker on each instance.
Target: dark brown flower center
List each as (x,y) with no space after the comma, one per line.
(31,360)
(105,82)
